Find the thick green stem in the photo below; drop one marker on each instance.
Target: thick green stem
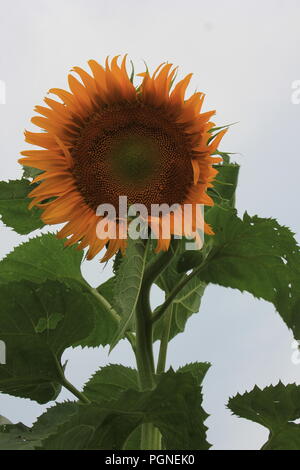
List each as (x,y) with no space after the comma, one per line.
(144,351)
(157,438)
(162,357)
(151,437)
(148,439)
(144,340)
(161,363)
(144,356)
(144,333)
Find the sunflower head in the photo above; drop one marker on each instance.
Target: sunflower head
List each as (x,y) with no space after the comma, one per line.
(106,138)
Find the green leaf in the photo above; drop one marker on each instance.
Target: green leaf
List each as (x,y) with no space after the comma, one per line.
(41,258)
(109,382)
(47,425)
(117,261)
(33,354)
(15,437)
(106,322)
(76,438)
(187,301)
(115,423)
(189,259)
(128,281)
(276,408)
(53,417)
(29,172)
(14,210)
(259,256)
(107,319)
(49,323)
(4,420)
(133,441)
(225,184)
(45,257)
(171,275)
(132,71)
(219,128)
(197,369)
(223,194)
(174,407)
(20,437)
(107,289)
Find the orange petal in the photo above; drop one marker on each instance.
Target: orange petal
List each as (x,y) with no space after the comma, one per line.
(196,171)
(216,141)
(113,247)
(177,95)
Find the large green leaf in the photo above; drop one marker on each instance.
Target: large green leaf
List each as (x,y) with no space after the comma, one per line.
(127,285)
(251,254)
(110,381)
(34,341)
(171,275)
(197,369)
(186,303)
(41,258)
(110,423)
(75,438)
(223,194)
(15,437)
(188,300)
(14,210)
(276,408)
(259,256)
(20,437)
(107,289)
(45,257)
(174,407)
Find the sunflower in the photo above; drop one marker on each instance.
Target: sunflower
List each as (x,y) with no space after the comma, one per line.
(106,138)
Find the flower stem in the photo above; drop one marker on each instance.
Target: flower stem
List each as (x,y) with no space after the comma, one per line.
(148,437)
(144,351)
(144,354)
(161,363)
(143,339)
(151,438)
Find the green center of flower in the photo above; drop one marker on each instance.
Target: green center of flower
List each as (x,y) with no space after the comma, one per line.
(134,159)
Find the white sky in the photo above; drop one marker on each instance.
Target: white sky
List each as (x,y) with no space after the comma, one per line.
(245,56)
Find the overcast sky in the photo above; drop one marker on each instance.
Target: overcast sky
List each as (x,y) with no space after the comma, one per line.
(245,57)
